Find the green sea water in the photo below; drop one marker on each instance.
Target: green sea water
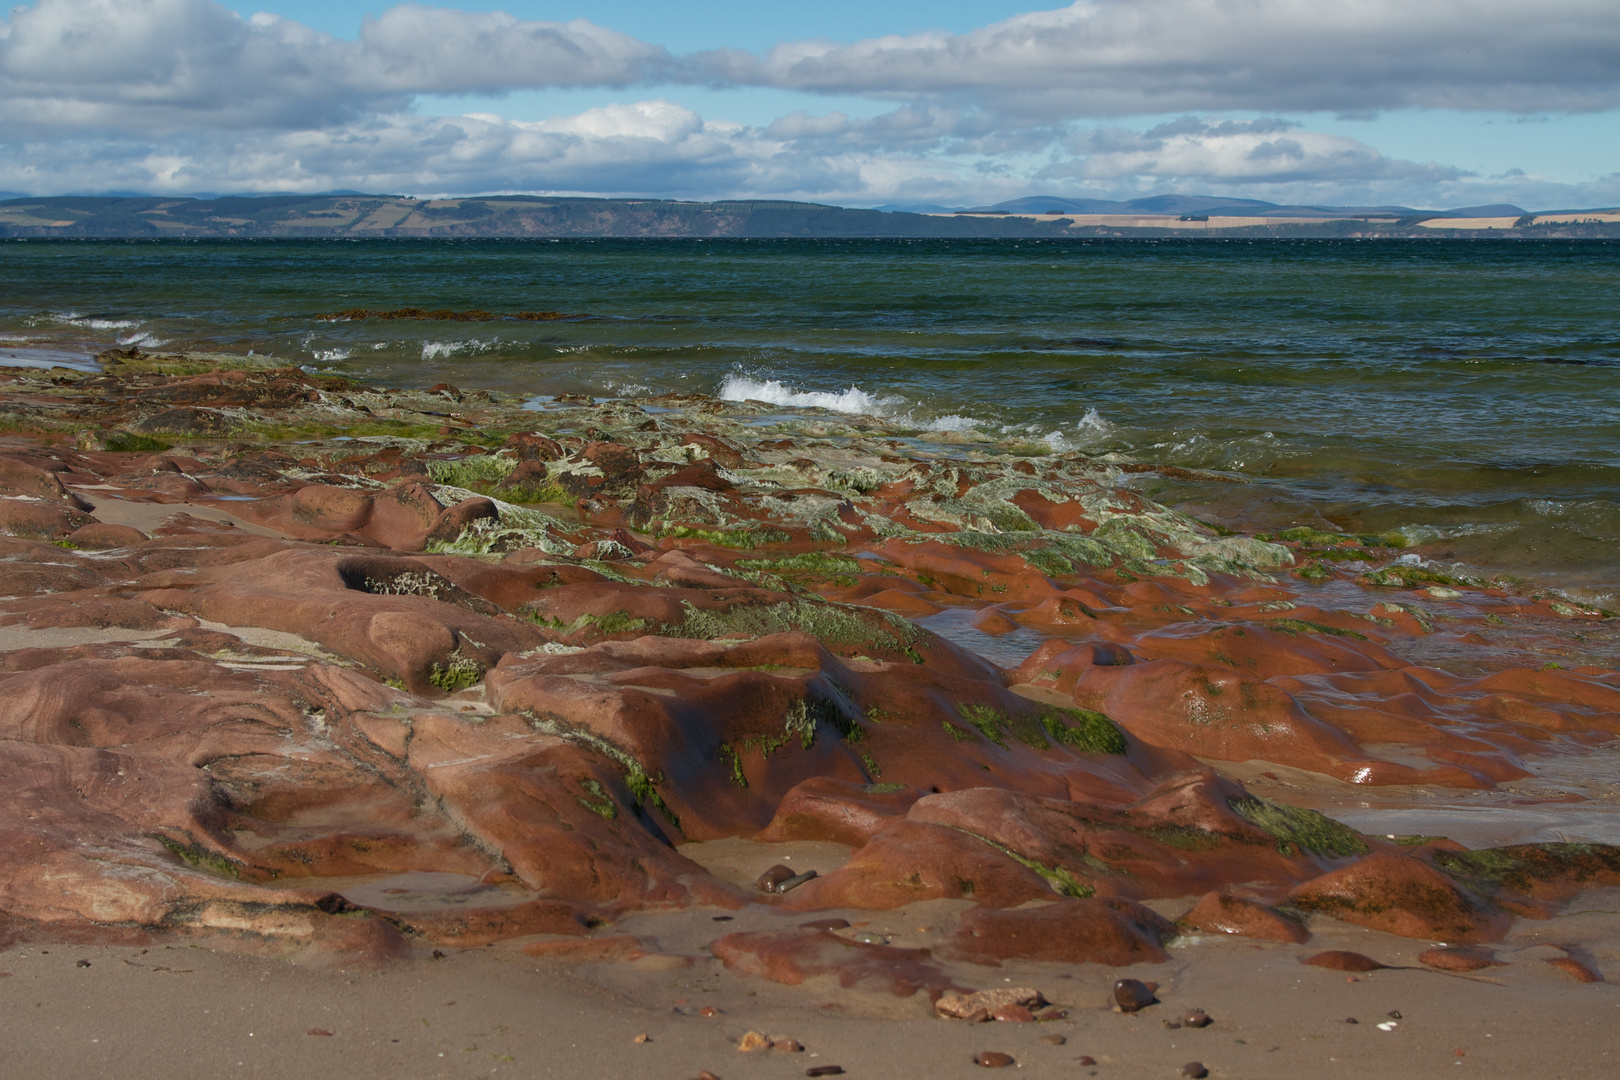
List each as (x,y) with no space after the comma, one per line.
(1465,393)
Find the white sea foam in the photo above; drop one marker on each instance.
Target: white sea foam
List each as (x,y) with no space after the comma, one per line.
(771,391)
(435,350)
(331,354)
(143,337)
(74,318)
(1091,429)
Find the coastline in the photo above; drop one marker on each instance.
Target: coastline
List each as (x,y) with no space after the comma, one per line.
(268,629)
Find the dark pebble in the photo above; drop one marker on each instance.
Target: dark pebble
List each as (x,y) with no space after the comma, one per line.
(993,1059)
(317,1031)
(825,924)
(1394,1014)
(82,963)
(770,879)
(1351,1020)
(1086,1059)
(722,918)
(795,881)
(438,954)
(1198,1018)
(1194,1069)
(825,1070)
(1132,994)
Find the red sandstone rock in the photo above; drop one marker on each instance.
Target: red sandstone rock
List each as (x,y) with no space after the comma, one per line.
(1114,932)
(1217,913)
(1401,896)
(1457,958)
(792,956)
(1343,960)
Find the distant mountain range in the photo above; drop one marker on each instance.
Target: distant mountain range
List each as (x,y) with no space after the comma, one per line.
(394,216)
(1206,204)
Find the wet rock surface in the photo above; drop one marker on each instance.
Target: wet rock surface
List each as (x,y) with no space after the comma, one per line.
(266,630)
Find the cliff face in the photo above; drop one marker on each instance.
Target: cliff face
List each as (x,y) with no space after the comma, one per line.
(532,216)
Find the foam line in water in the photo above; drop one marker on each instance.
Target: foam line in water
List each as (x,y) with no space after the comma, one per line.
(773,392)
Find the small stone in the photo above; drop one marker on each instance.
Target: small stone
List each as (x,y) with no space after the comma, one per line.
(642,1038)
(438,954)
(1342,960)
(1085,1059)
(1052,1014)
(705,1074)
(708,1011)
(318,1031)
(795,881)
(1197,1018)
(1131,995)
(825,1070)
(1394,1014)
(825,924)
(752,1041)
(1053,1040)
(1173,1025)
(722,918)
(791,1046)
(770,879)
(867,937)
(1194,1069)
(82,963)
(1014,1014)
(993,1059)
(1351,1020)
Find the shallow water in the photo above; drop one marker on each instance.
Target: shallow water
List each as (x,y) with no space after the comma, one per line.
(1465,393)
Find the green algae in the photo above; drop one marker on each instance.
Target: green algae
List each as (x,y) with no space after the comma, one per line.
(832,624)
(1062,880)
(1305,626)
(1520,867)
(596,799)
(128,442)
(1084,730)
(1298,828)
(202,858)
(458,672)
(479,470)
(637,782)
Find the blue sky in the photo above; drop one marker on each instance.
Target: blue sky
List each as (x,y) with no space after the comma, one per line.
(1417,102)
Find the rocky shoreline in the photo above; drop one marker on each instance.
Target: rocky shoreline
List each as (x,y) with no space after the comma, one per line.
(274,639)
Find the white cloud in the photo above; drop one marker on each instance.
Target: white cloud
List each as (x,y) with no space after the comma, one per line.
(178,65)
(1264,151)
(1145,57)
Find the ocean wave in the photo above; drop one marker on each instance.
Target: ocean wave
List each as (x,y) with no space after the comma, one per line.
(143,337)
(773,392)
(74,318)
(331,354)
(442,350)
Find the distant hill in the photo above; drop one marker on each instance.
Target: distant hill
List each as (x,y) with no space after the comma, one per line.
(350,215)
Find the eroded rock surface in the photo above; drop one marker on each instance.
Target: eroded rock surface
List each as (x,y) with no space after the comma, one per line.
(264,628)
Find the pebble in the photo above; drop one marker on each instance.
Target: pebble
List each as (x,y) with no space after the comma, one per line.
(1085,1059)
(705,1074)
(1133,994)
(1014,1014)
(993,1059)
(1197,1018)
(825,1070)
(1053,1040)
(867,937)
(1194,1069)
(770,879)
(795,881)
(791,1046)
(752,1041)
(824,924)
(708,1011)
(1394,1014)
(1351,1020)
(317,1031)
(82,963)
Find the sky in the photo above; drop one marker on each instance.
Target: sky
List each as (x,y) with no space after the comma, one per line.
(1424,103)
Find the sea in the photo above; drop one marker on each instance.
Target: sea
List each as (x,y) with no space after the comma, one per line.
(1462,394)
